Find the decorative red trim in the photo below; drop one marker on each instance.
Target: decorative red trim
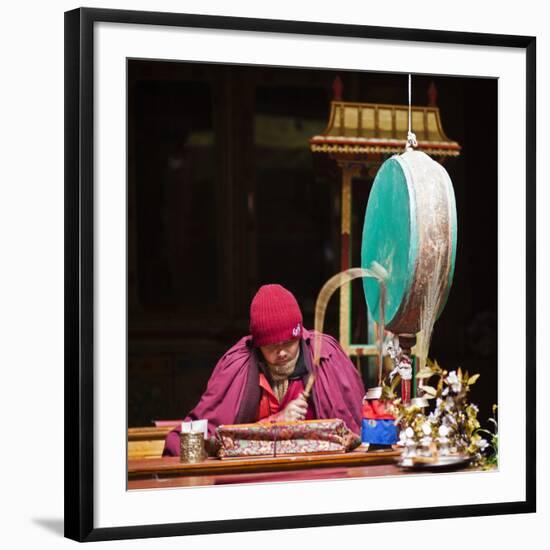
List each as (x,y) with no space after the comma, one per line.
(386,143)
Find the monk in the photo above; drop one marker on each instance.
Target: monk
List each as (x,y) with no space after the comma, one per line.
(263,376)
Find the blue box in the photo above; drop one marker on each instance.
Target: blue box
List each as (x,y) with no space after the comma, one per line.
(378,432)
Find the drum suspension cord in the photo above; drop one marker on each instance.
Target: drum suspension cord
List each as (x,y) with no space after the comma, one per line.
(411,137)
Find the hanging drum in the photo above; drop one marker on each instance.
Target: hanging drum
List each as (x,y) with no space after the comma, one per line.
(410,229)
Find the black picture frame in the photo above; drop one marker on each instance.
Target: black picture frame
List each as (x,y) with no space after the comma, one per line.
(79,271)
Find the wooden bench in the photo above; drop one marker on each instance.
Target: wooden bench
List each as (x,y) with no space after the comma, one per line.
(146,442)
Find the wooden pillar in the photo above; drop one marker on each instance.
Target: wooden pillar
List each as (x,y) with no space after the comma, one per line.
(349,171)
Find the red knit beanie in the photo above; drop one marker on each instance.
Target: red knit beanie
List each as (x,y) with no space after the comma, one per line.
(275,316)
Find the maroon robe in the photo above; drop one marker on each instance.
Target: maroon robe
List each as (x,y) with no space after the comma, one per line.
(233,392)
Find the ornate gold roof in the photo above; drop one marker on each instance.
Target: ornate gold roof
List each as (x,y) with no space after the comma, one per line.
(362,128)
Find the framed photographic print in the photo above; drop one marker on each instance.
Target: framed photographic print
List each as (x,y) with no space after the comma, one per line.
(215,165)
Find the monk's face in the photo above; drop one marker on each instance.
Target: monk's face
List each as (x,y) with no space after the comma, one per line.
(280,353)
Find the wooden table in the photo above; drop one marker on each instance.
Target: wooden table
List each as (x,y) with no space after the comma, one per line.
(170,472)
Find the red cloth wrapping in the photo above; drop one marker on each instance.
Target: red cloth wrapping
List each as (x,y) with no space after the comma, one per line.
(284,438)
(375,409)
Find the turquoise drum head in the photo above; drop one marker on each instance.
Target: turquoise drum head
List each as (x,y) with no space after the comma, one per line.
(410,229)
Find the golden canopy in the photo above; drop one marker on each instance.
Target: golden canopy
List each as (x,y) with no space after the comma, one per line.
(367,128)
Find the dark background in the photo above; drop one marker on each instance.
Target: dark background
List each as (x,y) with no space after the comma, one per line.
(224,195)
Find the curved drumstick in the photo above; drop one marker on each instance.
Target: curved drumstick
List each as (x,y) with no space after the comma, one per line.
(306,393)
(377,272)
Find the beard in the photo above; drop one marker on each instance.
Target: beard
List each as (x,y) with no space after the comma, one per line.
(282,372)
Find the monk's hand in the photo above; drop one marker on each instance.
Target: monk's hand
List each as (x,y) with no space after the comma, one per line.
(296,409)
